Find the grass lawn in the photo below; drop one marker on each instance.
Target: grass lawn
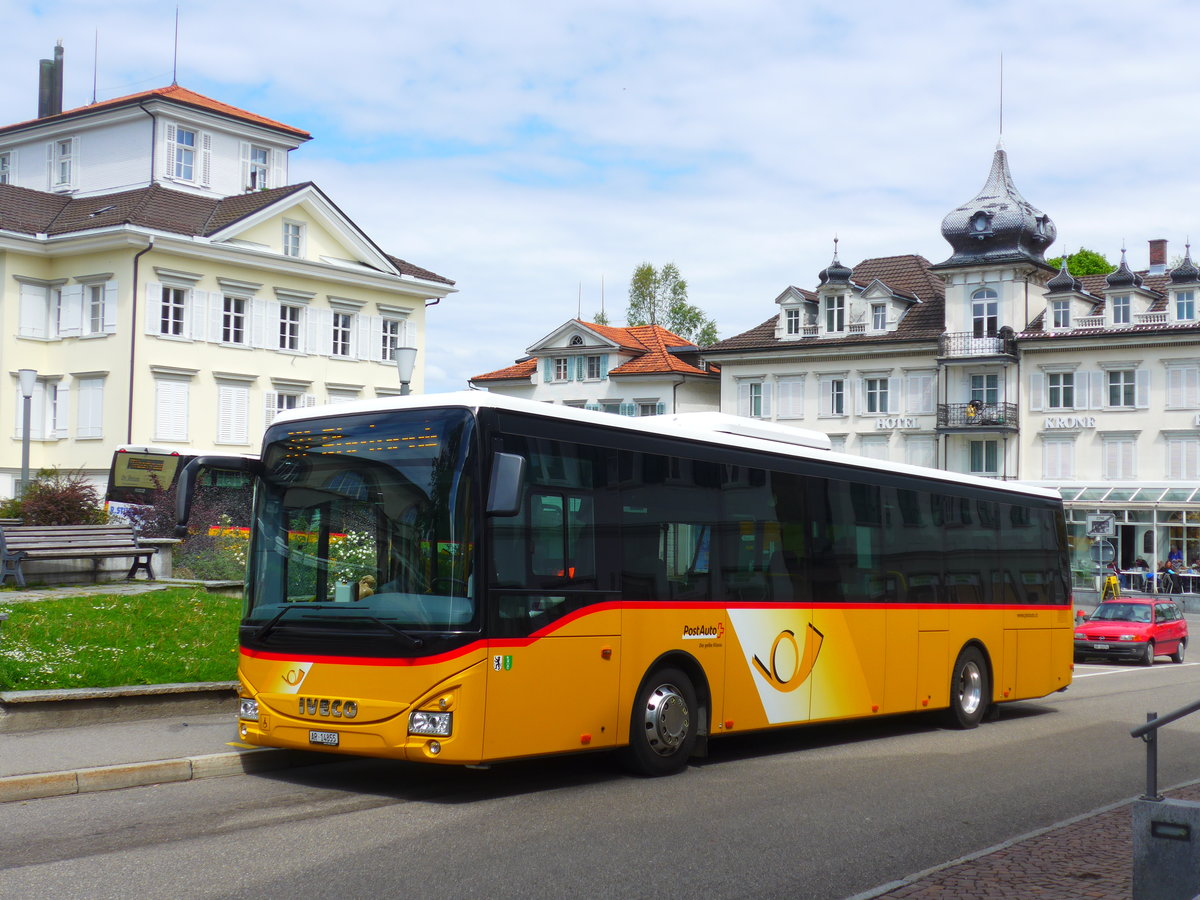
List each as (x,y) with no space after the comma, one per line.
(108,640)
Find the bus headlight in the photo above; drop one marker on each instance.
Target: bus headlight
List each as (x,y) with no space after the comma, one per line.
(248,709)
(435,724)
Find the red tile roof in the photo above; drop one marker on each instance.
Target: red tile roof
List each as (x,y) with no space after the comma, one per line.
(650,345)
(175,94)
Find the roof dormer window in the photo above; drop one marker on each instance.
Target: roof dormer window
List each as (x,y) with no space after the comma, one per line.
(981,224)
(189,155)
(1185,306)
(1121,310)
(791,321)
(1061,312)
(835,313)
(878,316)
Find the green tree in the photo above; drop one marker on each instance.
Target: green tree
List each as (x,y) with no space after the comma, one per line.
(600,318)
(659,297)
(1084,262)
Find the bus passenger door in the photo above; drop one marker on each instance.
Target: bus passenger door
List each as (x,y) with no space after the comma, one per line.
(554,651)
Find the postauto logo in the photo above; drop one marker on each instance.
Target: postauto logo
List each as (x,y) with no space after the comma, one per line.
(704,632)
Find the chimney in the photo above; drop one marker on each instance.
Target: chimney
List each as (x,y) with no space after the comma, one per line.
(1158,256)
(50,84)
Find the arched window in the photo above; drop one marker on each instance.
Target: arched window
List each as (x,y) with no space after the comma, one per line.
(985,306)
(577,341)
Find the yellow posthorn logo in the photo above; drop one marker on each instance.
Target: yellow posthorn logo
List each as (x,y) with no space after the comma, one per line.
(786,682)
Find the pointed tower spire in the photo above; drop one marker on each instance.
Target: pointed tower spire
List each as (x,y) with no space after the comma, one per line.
(997,225)
(835,272)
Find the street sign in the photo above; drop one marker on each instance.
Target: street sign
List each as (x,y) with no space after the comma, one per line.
(1101,525)
(1103,552)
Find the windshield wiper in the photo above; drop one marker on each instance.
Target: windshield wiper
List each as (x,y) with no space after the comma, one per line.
(268,627)
(411,638)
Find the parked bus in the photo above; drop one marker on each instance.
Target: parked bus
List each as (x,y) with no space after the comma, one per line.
(470,578)
(139,477)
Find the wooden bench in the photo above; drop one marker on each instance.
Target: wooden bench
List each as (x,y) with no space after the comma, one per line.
(19,543)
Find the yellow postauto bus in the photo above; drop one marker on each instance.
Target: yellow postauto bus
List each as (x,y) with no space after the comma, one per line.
(469,578)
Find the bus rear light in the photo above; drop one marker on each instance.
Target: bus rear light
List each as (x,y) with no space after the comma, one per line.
(424,722)
(248,709)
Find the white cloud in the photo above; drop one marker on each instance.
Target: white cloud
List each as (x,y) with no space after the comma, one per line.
(523,149)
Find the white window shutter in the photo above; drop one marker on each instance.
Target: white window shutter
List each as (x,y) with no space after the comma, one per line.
(109,313)
(233,413)
(258,314)
(308,400)
(50,176)
(171,410)
(1141,388)
(1191,387)
(1037,392)
(89,418)
(35,304)
(70,314)
(743,398)
(826,389)
(1099,389)
(244,156)
(153,301)
(202,319)
(270,406)
(376,339)
(205,159)
(75,162)
(893,398)
(61,413)
(319,330)
(362,337)
(766,399)
(278,176)
(169,155)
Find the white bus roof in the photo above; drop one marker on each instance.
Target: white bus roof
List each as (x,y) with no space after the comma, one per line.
(702,427)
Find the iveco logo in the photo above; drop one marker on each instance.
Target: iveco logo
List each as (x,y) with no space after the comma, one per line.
(320,706)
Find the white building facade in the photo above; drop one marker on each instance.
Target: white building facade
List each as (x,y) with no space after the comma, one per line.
(170,289)
(994,364)
(638,371)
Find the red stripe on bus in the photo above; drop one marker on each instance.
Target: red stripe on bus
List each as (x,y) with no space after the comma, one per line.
(487,644)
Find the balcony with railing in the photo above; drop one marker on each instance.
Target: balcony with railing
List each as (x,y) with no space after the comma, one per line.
(977,417)
(968,346)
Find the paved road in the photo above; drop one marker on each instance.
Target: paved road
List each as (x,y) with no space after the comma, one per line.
(813,813)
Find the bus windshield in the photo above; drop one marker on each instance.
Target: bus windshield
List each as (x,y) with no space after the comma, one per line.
(366,523)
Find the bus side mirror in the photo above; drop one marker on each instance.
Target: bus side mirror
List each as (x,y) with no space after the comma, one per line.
(185,486)
(507,485)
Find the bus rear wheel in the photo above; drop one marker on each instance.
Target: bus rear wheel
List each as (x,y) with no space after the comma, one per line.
(662,727)
(969,689)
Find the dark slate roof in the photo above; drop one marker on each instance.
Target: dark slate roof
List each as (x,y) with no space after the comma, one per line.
(997,224)
(1094,286)
(157,207)
(908,276)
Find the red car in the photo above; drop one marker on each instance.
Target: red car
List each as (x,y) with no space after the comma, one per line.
(1138,629)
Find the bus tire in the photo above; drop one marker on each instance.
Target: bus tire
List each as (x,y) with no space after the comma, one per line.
(663,724)
(969,689)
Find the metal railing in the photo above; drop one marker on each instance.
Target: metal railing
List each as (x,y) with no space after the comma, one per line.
(983,416)
(967,344)
(1149,734)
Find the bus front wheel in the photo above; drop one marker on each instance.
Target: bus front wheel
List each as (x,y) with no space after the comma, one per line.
(662,727)
(969,689)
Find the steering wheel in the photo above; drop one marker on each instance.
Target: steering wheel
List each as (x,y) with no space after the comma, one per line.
(449,587)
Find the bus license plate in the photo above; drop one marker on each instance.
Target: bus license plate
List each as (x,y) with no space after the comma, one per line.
(1094,647)
(325,738)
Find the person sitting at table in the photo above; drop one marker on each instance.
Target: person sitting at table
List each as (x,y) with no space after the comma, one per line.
(1174,555)
(1168,583)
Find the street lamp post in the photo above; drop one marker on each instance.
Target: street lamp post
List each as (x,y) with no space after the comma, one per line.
(406,359)
(27,379)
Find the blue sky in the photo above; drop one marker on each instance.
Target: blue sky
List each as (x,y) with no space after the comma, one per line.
(533,152)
